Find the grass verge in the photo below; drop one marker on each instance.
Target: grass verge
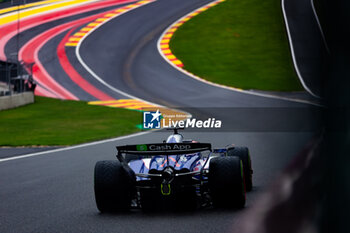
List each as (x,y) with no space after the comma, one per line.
(240,43)
(56,122)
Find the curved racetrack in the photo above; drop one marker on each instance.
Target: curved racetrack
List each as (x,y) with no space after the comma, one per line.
(53,192)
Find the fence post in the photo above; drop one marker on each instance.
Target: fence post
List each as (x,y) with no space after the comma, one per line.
(9,78)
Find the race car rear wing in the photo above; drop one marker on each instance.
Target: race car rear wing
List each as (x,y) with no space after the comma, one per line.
(164,148)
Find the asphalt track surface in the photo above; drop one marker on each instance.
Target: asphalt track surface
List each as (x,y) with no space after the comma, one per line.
(54,192)
(136,66)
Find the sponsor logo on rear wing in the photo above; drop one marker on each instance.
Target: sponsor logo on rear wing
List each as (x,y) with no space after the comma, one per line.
(164,148)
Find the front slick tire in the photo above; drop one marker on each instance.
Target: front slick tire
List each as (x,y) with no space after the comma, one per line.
(226,182)
(114,187)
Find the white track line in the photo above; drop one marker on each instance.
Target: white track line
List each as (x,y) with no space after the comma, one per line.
(77,53)
(292,51)
(228,87)
(319,25)
(75,147)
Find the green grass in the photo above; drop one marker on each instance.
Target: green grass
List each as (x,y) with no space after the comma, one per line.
(57,122)
(240,43)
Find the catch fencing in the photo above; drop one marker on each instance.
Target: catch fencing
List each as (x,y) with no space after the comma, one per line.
(15,77)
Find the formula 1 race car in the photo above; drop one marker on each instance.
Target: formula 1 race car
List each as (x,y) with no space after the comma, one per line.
(175,174)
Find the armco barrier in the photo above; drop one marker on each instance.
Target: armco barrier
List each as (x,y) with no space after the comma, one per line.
(16,100)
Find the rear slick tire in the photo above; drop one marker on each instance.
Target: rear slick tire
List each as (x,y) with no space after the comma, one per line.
(114,186)
(226,182)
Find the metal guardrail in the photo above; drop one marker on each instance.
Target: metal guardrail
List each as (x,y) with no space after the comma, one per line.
(15,78)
